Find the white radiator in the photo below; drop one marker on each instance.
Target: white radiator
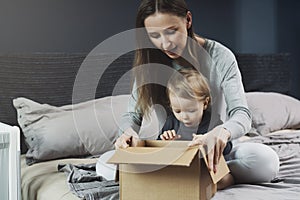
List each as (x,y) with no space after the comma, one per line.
(10,181)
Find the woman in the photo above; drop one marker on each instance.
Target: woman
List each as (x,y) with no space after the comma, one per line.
(168,27)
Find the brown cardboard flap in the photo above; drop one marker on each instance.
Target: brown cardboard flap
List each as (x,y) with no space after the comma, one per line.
(222,168)
(166,143)
(180,156)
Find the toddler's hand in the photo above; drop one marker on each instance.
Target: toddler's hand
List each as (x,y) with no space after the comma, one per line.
(169,135)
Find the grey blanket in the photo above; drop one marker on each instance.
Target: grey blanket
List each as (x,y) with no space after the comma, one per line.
(86,184)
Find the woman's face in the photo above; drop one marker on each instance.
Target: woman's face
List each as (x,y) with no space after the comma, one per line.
(168,32)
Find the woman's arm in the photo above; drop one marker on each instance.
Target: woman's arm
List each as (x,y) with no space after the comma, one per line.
(239,116)
(226,78)
(130,124)
(132,118)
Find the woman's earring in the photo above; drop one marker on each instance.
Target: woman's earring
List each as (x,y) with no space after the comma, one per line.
(188,24)
(206,103)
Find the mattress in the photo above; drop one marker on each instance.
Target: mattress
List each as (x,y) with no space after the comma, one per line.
(42,181)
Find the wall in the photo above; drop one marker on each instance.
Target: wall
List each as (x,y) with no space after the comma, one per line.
(61,25)
(256,26)
(288,31)
(215,20)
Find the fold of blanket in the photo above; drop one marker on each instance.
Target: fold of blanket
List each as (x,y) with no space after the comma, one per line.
(86,184)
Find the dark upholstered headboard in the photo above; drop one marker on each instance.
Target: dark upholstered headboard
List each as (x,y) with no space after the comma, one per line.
(49,78)
(265,72)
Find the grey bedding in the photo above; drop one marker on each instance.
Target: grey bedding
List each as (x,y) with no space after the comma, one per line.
(287,184)
(42,181)
(86,184)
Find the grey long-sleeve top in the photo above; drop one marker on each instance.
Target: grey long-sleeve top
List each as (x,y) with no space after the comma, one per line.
(229,103)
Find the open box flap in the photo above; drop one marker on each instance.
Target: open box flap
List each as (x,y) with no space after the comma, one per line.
(167,143)
(180,156)
(222,168)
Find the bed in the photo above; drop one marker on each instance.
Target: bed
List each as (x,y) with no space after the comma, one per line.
(60,129)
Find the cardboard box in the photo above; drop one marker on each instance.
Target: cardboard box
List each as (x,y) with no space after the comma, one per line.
(166,170)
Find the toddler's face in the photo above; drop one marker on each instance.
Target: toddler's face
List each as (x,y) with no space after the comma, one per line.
(188,111)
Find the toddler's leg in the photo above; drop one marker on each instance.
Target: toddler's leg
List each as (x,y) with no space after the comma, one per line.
(253,163)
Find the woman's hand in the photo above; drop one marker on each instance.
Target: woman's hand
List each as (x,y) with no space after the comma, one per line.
(128,138)
(214,142)
(169,135)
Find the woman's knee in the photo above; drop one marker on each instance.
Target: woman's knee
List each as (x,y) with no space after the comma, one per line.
(253,163)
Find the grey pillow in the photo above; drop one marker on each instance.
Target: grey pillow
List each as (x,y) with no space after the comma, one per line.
(88,128)
(273,111)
